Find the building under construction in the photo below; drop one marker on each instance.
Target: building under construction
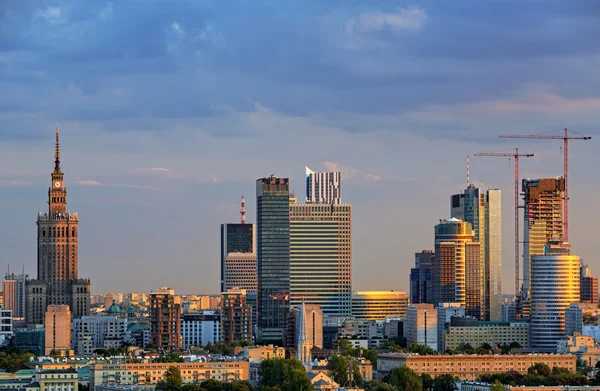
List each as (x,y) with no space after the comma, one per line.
(543,214)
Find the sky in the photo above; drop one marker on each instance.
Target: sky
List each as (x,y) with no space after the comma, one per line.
(170,110)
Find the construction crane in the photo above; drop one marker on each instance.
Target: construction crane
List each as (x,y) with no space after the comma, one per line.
(565,139)
(516,155)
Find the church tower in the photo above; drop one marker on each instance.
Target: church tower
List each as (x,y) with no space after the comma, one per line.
(57,264)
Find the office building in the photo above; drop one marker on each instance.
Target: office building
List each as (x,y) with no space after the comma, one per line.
(588,286)
(14,289)
(58,330)
(476,333)
(323,187)
(6,325)
(446,311)
(421,325)
(236,319)
(321,256)
(273,257)
(31,340)
(147,375)
(456,273)
(200,329)
(379,305)
(576,314)
(543,219)
(89,333)
(238,255)
(554,287)
(57,280)
(421,278)
(483,212)
(165,319)
(470,367)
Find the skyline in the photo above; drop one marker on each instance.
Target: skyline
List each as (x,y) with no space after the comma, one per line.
(162,135)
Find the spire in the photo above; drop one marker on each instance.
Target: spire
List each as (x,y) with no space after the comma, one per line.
(57,152)
(243,211)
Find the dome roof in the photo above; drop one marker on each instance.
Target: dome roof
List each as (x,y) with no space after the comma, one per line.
(114,309)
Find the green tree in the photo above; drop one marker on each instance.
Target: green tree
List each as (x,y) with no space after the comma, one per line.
(168,358)
(339,366)
(375,385)
(212,385)
(371,355)
(344,346)
(404,378)
(282,374)
(423,350)
(539,369)
(426,381)
(172,380)
(444,383)
(497,386)
(192,387)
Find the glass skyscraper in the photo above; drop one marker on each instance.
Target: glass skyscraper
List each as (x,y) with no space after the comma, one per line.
(273,257)
(238,258)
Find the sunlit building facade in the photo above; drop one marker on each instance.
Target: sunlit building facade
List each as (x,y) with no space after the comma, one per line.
(379,305)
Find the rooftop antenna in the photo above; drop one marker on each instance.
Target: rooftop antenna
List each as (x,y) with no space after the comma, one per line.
(243,211)
(468,171)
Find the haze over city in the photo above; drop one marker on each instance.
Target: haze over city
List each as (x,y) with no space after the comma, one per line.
(169,113)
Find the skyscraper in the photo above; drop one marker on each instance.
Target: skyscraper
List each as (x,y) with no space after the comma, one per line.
(58,240)
(165,319)
(484,213)
(421,278)
(456,274)
(554,286)
(588,286)
(323,187)
(321,256)
(14,288)
(273,256)
(238,256)
(543,214)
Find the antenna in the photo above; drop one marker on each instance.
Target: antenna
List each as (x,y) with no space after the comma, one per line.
(243,211)
(468,171)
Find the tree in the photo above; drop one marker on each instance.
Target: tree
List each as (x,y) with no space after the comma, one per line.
(212,385)
(172,381)
(426,381)
(168,358)
(339,365)
(444,383)
(371,355)
(405,379)
(423,350)
(283,375)
(497,386)
(192,387)
(486,346)
(539,369)
(344,346)
(378,386)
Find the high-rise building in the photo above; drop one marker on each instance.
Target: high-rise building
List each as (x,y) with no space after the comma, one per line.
(58,329)
(321,256)
(165,319)
(588,286)
(421,325)
(483,212)
(421,278)
(200,329)
(310,317)
(273,256)
(554,287)
(379,305)
(236,318)
(543,215)
(57,281)
(323,187)
(238,256)
(14,288)
(456,274)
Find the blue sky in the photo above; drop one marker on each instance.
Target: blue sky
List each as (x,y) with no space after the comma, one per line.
(170,110)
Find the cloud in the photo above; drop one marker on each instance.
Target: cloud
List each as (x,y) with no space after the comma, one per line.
(215,179)
(403,20)
(89,182)
(153,170)
(52,15)
(349,172)
(540,102)
(14,183)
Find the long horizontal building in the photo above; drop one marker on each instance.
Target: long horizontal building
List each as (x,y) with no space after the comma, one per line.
(150,374)
(469,367)
(478,333)
(379,305)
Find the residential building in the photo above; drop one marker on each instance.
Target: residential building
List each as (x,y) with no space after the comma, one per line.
(14,289)
(148,375)
(421,325)
(56,379)
(379,305)
(321,256)
(238,255)
(543,219)
(457,267)
(30,339)
(236,320)
(200,329)
(58,330)
(588,286)
(165,319)
(470,331)
(445,312)
(89,333)
(263,352)
(421,278)
(57,280)
(483,212)
(273,256)
(6,325)
(584,347)
(575,315)
(470,367)
(323,187)
(554,287)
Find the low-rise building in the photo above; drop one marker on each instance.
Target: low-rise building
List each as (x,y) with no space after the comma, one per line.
(493,333)
(584,347)
(576,314)
(30,339)
(150,374)
(480,386)
(469,367)
(262,352)
(6,325)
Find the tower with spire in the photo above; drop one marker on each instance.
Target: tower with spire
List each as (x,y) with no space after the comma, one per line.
(57,280)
